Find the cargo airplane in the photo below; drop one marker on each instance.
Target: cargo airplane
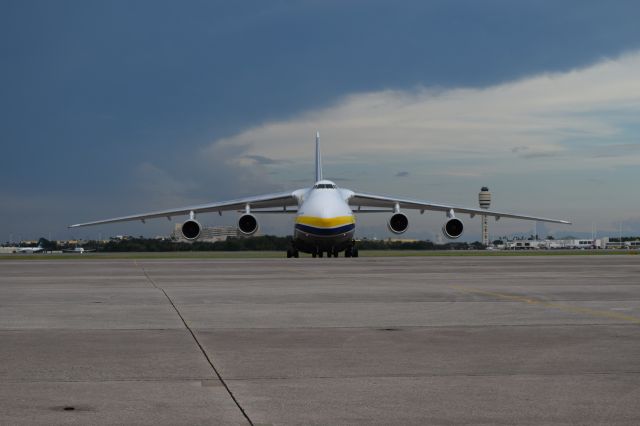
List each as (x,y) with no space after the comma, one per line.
(325,215)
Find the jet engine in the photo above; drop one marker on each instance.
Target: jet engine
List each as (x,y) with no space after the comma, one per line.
(248,224)
(453,228)
(191,229)
(398,223)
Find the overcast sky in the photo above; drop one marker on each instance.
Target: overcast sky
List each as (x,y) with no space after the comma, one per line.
(110,108)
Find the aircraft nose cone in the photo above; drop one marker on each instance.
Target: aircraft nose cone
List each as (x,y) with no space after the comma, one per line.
(326,213)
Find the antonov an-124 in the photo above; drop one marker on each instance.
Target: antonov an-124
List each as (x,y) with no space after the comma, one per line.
(325,215)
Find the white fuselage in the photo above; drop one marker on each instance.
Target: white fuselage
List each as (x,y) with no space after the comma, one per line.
(30,249)
(324,220)
(80,250)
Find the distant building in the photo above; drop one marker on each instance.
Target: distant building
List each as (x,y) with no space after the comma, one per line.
(598,243)
(635,245)
(402,240)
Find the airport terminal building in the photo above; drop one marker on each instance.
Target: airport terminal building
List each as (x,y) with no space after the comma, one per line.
(573,244)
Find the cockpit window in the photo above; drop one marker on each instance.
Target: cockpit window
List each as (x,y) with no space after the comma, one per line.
(324,186)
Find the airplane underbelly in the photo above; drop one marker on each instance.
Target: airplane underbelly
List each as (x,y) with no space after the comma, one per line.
(325,232)
(309,241)
(310,237)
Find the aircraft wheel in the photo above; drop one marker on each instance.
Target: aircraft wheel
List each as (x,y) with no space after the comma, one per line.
(347,252)
(296,253)
(314,254)
(335,253)
(289,253)
(319,253)
(354,252)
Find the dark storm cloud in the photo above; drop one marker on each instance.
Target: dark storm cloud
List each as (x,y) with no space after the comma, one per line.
(94,89)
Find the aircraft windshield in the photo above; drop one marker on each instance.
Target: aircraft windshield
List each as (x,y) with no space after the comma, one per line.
(324,186)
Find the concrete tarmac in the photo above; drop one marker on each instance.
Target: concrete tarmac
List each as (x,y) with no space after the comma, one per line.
(420,340)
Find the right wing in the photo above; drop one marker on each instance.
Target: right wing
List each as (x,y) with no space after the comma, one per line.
(281,199)
(358,200)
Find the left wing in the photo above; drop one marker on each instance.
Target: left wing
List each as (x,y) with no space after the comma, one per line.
(358,200)
(281,199)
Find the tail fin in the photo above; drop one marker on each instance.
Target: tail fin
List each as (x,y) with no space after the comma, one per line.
(318,158)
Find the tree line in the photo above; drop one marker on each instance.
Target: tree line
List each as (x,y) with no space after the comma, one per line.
(259,243)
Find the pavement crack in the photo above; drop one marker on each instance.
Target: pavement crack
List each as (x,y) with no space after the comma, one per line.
(195,338)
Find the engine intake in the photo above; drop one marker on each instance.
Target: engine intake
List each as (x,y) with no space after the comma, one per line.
(191,229)
(398,223)
(453,228)
(248,224)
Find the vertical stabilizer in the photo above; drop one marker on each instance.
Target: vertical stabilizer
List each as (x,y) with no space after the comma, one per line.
(318,158)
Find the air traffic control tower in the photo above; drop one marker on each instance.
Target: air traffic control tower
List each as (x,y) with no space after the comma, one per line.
(484,197)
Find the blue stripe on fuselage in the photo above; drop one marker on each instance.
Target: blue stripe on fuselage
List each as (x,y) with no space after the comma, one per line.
(325,231)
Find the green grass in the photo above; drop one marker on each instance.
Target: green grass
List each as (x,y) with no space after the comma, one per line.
(148,255)
(494,253)
(281,255)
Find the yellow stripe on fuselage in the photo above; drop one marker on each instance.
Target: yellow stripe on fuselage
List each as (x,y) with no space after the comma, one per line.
(329,222)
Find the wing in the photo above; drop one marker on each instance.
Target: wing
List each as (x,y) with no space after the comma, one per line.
(358,200)
(282,199)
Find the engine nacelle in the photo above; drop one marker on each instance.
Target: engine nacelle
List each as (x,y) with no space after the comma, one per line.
(247,224)
(453,228)
(398,223)
(191,229)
